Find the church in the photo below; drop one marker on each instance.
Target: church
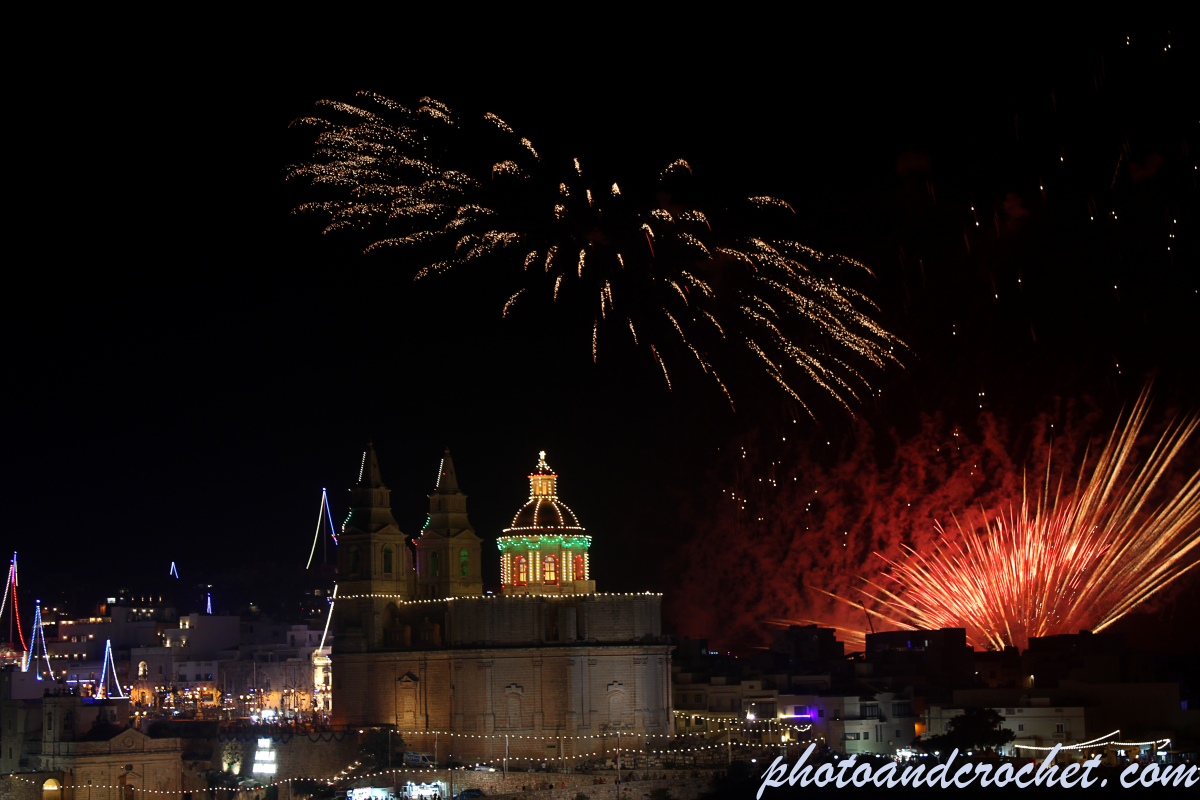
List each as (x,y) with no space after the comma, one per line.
(547,670)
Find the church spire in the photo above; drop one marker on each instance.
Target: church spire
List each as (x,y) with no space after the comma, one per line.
(447,482)
(448,550)
(370,500)
(368,473)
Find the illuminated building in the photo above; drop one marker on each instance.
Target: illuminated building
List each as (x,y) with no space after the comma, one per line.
(448,550)
(555,666)
(545,550)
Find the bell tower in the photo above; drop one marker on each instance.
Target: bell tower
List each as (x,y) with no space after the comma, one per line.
(374,566)
(448,551)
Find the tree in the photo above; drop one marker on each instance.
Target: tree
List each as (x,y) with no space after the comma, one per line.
(974,729)
(375,743)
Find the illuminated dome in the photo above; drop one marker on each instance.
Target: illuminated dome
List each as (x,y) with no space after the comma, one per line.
(544,511)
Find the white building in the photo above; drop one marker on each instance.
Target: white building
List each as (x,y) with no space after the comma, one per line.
(879,723)
(1033,725)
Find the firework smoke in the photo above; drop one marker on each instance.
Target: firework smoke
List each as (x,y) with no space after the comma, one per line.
(787,523)
(660,273)
(1062,562)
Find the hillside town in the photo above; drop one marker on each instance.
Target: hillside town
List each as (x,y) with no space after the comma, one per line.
(542,684)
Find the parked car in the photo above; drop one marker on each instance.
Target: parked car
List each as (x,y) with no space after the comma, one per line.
(467,794)
(484,768)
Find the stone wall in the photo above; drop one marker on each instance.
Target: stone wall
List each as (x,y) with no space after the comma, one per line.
(26,785)
(683,784)
(294,757)
(552,702)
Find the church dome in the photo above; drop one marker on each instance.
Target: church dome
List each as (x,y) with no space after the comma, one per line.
(544,511)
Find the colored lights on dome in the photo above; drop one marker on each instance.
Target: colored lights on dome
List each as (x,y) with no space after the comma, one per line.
(503,543)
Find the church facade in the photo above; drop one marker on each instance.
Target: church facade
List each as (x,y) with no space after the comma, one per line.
(548,670)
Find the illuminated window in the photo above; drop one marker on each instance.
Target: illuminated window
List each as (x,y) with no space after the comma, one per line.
(464,565)
(550,569)
(143,670)
(433,564)
(580,574)
(521,570)
(387,561)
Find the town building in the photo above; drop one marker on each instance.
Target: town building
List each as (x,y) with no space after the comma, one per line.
(85,744)
(549,663)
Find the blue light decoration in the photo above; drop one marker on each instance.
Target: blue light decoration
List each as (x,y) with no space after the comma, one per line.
(210,603)
(109,666)
(36,635)
(174,571)
(329,516)
(323,516)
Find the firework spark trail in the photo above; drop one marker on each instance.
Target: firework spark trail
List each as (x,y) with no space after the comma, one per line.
(1056,565)
(401,176)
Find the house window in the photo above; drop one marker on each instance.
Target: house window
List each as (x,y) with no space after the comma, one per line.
(579,571)
(433,565)
(699,698)
(1060,728)
(1020,726)
(902,709)
(387,561)
(870,711)
(820,713)
(521,570)
(550,569)
(850,737)
(143,670)
(464,564)
(866,736)
(355,561)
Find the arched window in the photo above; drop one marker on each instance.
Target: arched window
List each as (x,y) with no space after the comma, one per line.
(387,561)
(355,560)
(550,569)
(143,670)
(520,570)
(433,565)
(464,564)
(580,573)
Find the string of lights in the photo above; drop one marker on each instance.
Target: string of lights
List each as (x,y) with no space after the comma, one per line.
(35,636)
(507,597)
(109,666)
(765,721)
(505,542)
(348,771)
(1098,742)
(570,738)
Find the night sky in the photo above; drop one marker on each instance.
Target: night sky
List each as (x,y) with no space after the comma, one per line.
(190,363)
